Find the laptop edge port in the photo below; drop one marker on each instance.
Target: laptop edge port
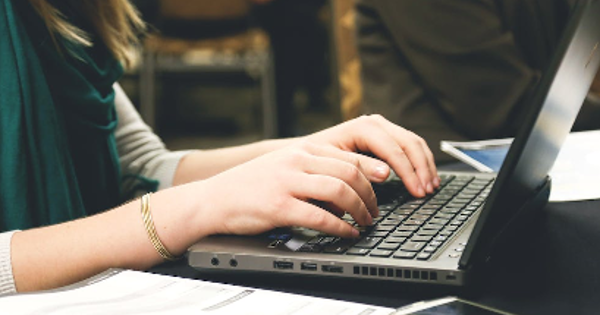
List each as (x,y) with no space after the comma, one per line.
(283,265)
(334,269)
(308,266)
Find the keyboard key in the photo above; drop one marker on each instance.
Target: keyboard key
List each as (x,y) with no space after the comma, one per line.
(427,212)
(388,246)
(404,255)
(412,246)
(381,253)
(413,222)
(430,226)
(335,249)
(423,256)
(311,248)
(440,238)
(395,239)
(451,228)
(358,251)
(446,233)
(427,232)
(410,228)
(419,217)
(396,216)
(368,242)
(430,249)
(387,207)
(408,206)
(421,238)
(439,221)
(389,221)
(443,216)
(385,228)
(403,211)
(378,234)
(329,240)
(461,217)
(401,233)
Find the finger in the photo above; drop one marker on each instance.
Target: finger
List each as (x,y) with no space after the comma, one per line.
(334,191)
(348,170)
(414,147)
(382,144)
(307,215)
(431,162)
(374,169)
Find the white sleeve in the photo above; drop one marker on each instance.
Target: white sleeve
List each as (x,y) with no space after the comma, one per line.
(141,152)
(7,281)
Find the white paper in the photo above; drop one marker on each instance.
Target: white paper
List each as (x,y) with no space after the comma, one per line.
(575,173)
(133,292)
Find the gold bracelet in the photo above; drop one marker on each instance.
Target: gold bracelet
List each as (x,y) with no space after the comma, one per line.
(151,230)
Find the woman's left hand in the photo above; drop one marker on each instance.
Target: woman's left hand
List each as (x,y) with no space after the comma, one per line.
(406,153)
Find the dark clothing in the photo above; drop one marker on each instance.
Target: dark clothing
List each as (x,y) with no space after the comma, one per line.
(299,41)
(455,70)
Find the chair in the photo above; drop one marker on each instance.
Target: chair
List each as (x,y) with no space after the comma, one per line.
(224,50)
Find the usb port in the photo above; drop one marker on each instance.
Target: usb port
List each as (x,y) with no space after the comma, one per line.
(335,269)
(283,265)
(308,266)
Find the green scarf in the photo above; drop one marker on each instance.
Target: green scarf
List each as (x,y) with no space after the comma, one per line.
(58,154)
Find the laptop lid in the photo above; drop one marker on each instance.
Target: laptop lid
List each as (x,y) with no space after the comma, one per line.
(554,107)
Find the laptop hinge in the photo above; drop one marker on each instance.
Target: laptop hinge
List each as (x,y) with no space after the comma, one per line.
(516,225)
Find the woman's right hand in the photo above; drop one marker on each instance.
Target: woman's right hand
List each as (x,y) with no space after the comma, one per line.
(305,184)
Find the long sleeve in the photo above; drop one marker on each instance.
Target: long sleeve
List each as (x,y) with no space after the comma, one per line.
(141,152)
(7,281)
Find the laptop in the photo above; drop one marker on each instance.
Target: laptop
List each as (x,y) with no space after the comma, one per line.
(443,238)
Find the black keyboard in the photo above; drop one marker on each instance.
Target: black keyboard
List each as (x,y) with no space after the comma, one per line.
(410,228)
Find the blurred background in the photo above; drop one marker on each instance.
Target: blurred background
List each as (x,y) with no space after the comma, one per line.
(220,73)
(227,72)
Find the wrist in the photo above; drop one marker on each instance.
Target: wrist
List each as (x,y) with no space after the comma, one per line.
(181,216)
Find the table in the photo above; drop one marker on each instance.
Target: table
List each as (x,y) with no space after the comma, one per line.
(555,271)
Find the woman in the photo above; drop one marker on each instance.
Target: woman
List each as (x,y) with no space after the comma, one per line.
(70,137)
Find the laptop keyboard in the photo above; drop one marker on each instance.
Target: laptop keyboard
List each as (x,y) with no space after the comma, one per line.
(410,228)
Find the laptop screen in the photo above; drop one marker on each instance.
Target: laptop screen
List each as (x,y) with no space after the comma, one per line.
(553,108)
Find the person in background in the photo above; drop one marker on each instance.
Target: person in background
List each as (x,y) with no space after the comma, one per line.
(459,70)
(300,44)
(73,148)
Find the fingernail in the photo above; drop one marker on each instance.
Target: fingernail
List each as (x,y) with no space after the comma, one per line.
(382,171)
(421,191)
(429,188)
(355,233)
(437,181)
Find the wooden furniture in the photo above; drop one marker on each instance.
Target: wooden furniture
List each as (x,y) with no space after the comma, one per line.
(247,51)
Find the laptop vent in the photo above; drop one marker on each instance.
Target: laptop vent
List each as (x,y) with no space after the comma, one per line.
(412,274)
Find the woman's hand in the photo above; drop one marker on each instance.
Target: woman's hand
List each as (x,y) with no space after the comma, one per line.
(407,153)
(293,186)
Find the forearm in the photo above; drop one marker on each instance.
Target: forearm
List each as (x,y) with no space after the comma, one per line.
(57,255)
(207,163)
